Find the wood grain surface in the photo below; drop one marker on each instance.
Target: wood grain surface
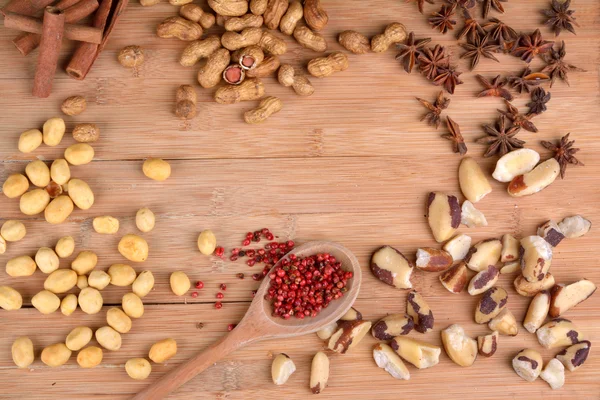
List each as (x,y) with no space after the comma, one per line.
(350,164)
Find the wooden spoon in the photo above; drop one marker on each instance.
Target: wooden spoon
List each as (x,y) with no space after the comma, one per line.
(259,324)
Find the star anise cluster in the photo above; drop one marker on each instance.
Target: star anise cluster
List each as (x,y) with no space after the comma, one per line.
(557,67)
(564,153)
(500,138)
(529,46)
(435,65)
(435,109)
(560,17)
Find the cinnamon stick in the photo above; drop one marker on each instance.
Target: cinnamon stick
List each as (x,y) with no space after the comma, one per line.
(34,25)
(52,33)
(25,7)
(74,10)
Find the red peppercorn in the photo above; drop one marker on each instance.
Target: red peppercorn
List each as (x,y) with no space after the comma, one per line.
(199,285)
(240,275)
(269,236)
(251,262)
(235,251)
(223,286)
(257,277)
(231,327)
(233,258)
(250,253)
(253,293)
(219,295)
(290,243)
(249,235)
(246,242)
(194,294)
(219,251)
(218,305)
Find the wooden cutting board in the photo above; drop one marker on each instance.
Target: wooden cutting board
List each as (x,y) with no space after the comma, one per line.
(351,164)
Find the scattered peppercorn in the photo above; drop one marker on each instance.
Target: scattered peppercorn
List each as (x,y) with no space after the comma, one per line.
(199,285)
(219,295)
(194,294)
(223,286)
(218,305)
(240,275)
(231,327)
(219,251)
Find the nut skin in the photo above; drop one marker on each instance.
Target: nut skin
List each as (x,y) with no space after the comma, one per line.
(207,242)
(420,354)
(287,77)
(65,246)
(163,350)
(419,310)
(38,173)
(13,230)
(537,311)
(310,39)
(458,247)
(515,163)
(505,323)
(250,89)
(274,12)
(237,40)
(81,194)
(483,254)
(565,297)
(133,247)
(387,359)
(55,355)
(483,280)
(20,266)
(315,15)
(194,12)
(54,190)
(34,201)
(472,180)
(488,344)
(118,320)
(149,3)
(393,33)
(61,281)
(325,66)
(53,131)
(460,348)
(319,373)
(530,289)
(15,186)
(108,338)
(22,352)
(30,140)
(291,18)
(86,133)
(528,364)
(433,260)
(180,28)
(10,299)
(185,102)
(551,233)
(391,326)
(199,49)
(574,226)
(355,42)
(143,284)
(79,154)
(246,21)
(131,56)
(132,305)
(267,67)
(536,180)
(272,44)
(390,266)
(575,356)
(282,368)
(121,275)
(73,105)
(58,210)
(138,368)
(249,57)
(557,333)
(348,335)
(491,303)
(211,73)
(60,171)
(229,8)
(89,357)
(443,215)
(90,300)
(267,107)
(536,258)
(98,279)
(510,248)
(455,278)
(46,260)
(45,302)
(180,283)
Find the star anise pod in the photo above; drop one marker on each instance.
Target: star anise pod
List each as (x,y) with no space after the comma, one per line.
(442,20)
(458,142)
(529,46)
(564,153)
(560,17)
(448,77)
(527,81)
(435,109)
(500,140)
(479,47)
(517,118)
(465,4)
(410,51)
(539,98)
(431,59)
(488,4)
(557,67)
(420,3)
(494,88)
(471,28)
(507,46)
(499,30)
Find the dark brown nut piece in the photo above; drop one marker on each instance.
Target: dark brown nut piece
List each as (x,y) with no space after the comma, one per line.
(180,28)
(258,7)
(472,217)
(536,180)
(490,304)
(211,73)
(484,254)
(195,13)
(443,215)
(267,67)
(419,310)
(566,297)
(505,323)
(325,66)
(460,348)
(246,21)
(510,267)
(574,227)
(473,182)
(510,248)
(391,267)
(348,335)
(537,311)
(391,326)
(536,258)
(73,105)
(488,344)
(249,57)
(319,373)
(131,56)
(386,359)
(234,74)
(554,374)
(559,332)
(420,354)
(250,89)
(354,42)
(282,368)
(234,40)
(574,356)
(394,33)
(458,247)
(198,50)
(229,8)
(291,18)
(530,289)
(483,280)
(274,12)
(54,189)
(352,315)
(287,77)
(272,44)
(86,133)
(433,260)
(528,364)
(315,15)
(309,39)
(185,102)
(551,233)
(455,279)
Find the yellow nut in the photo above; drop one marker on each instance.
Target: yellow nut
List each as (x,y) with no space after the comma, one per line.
(510,267)
(310,39)
(143,284)
(319,373)
(179,2)
(132,305)
(515,163)
(46,260)
(195,13)
(121,274)
(78,338)
(505,323)
(267,107)
(420,354)
(258,7)
(274,12)
(290,19)
(180,283)
(537,311)
(84,262)
(574,356)
(559,332)
(530,289)
(490,304)
(267,67)
(510,249)
(56,355)
(460,348)
(348,335)
(15,185)
(22,352)
(2,245)
(180,28)
(392,267)
(118,320)
(13,230)
(61,281)
(393,33)
(38,173)
(53,129)
(528,364)
(20,266)
(483,280)
(455,278)
(488,344)
(536,180)
(433,260)
(58,210)
(536,258)
(30,140)
(65,246)
(157,169)
(472,217)
(247,37)
(185,102)
(282,368)
(45,302)
(483,254)
(325,66)
(551,233)
(207,242)
(554,374)
(98,279)
(574,226)
(10,299)
(89,357)
(73,105)
(86,133)
(237,24)
(90,300)
(163,350)
(385,358)
(443,215)
(108,338)
(79,154)
(68,304)
(145,219)
(472,180)
(199,49)
(229,8)
(418,309)
(138,368)
(106,225)
(354,42)
(60,171)
(250,89)
(272,44)
(134,248)
(315,15)
(211,73)
(287,77)
(565,297)
(149,3)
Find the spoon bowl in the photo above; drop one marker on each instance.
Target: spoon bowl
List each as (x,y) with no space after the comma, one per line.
(259,323)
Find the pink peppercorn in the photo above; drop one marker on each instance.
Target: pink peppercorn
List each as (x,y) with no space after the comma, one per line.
(219,295)
(199,285)
(194,294)
(218,305)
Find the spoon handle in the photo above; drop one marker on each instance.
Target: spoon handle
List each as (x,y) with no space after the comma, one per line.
(195,365)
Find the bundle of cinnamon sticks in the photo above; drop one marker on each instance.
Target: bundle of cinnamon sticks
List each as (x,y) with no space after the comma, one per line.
(57,21)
